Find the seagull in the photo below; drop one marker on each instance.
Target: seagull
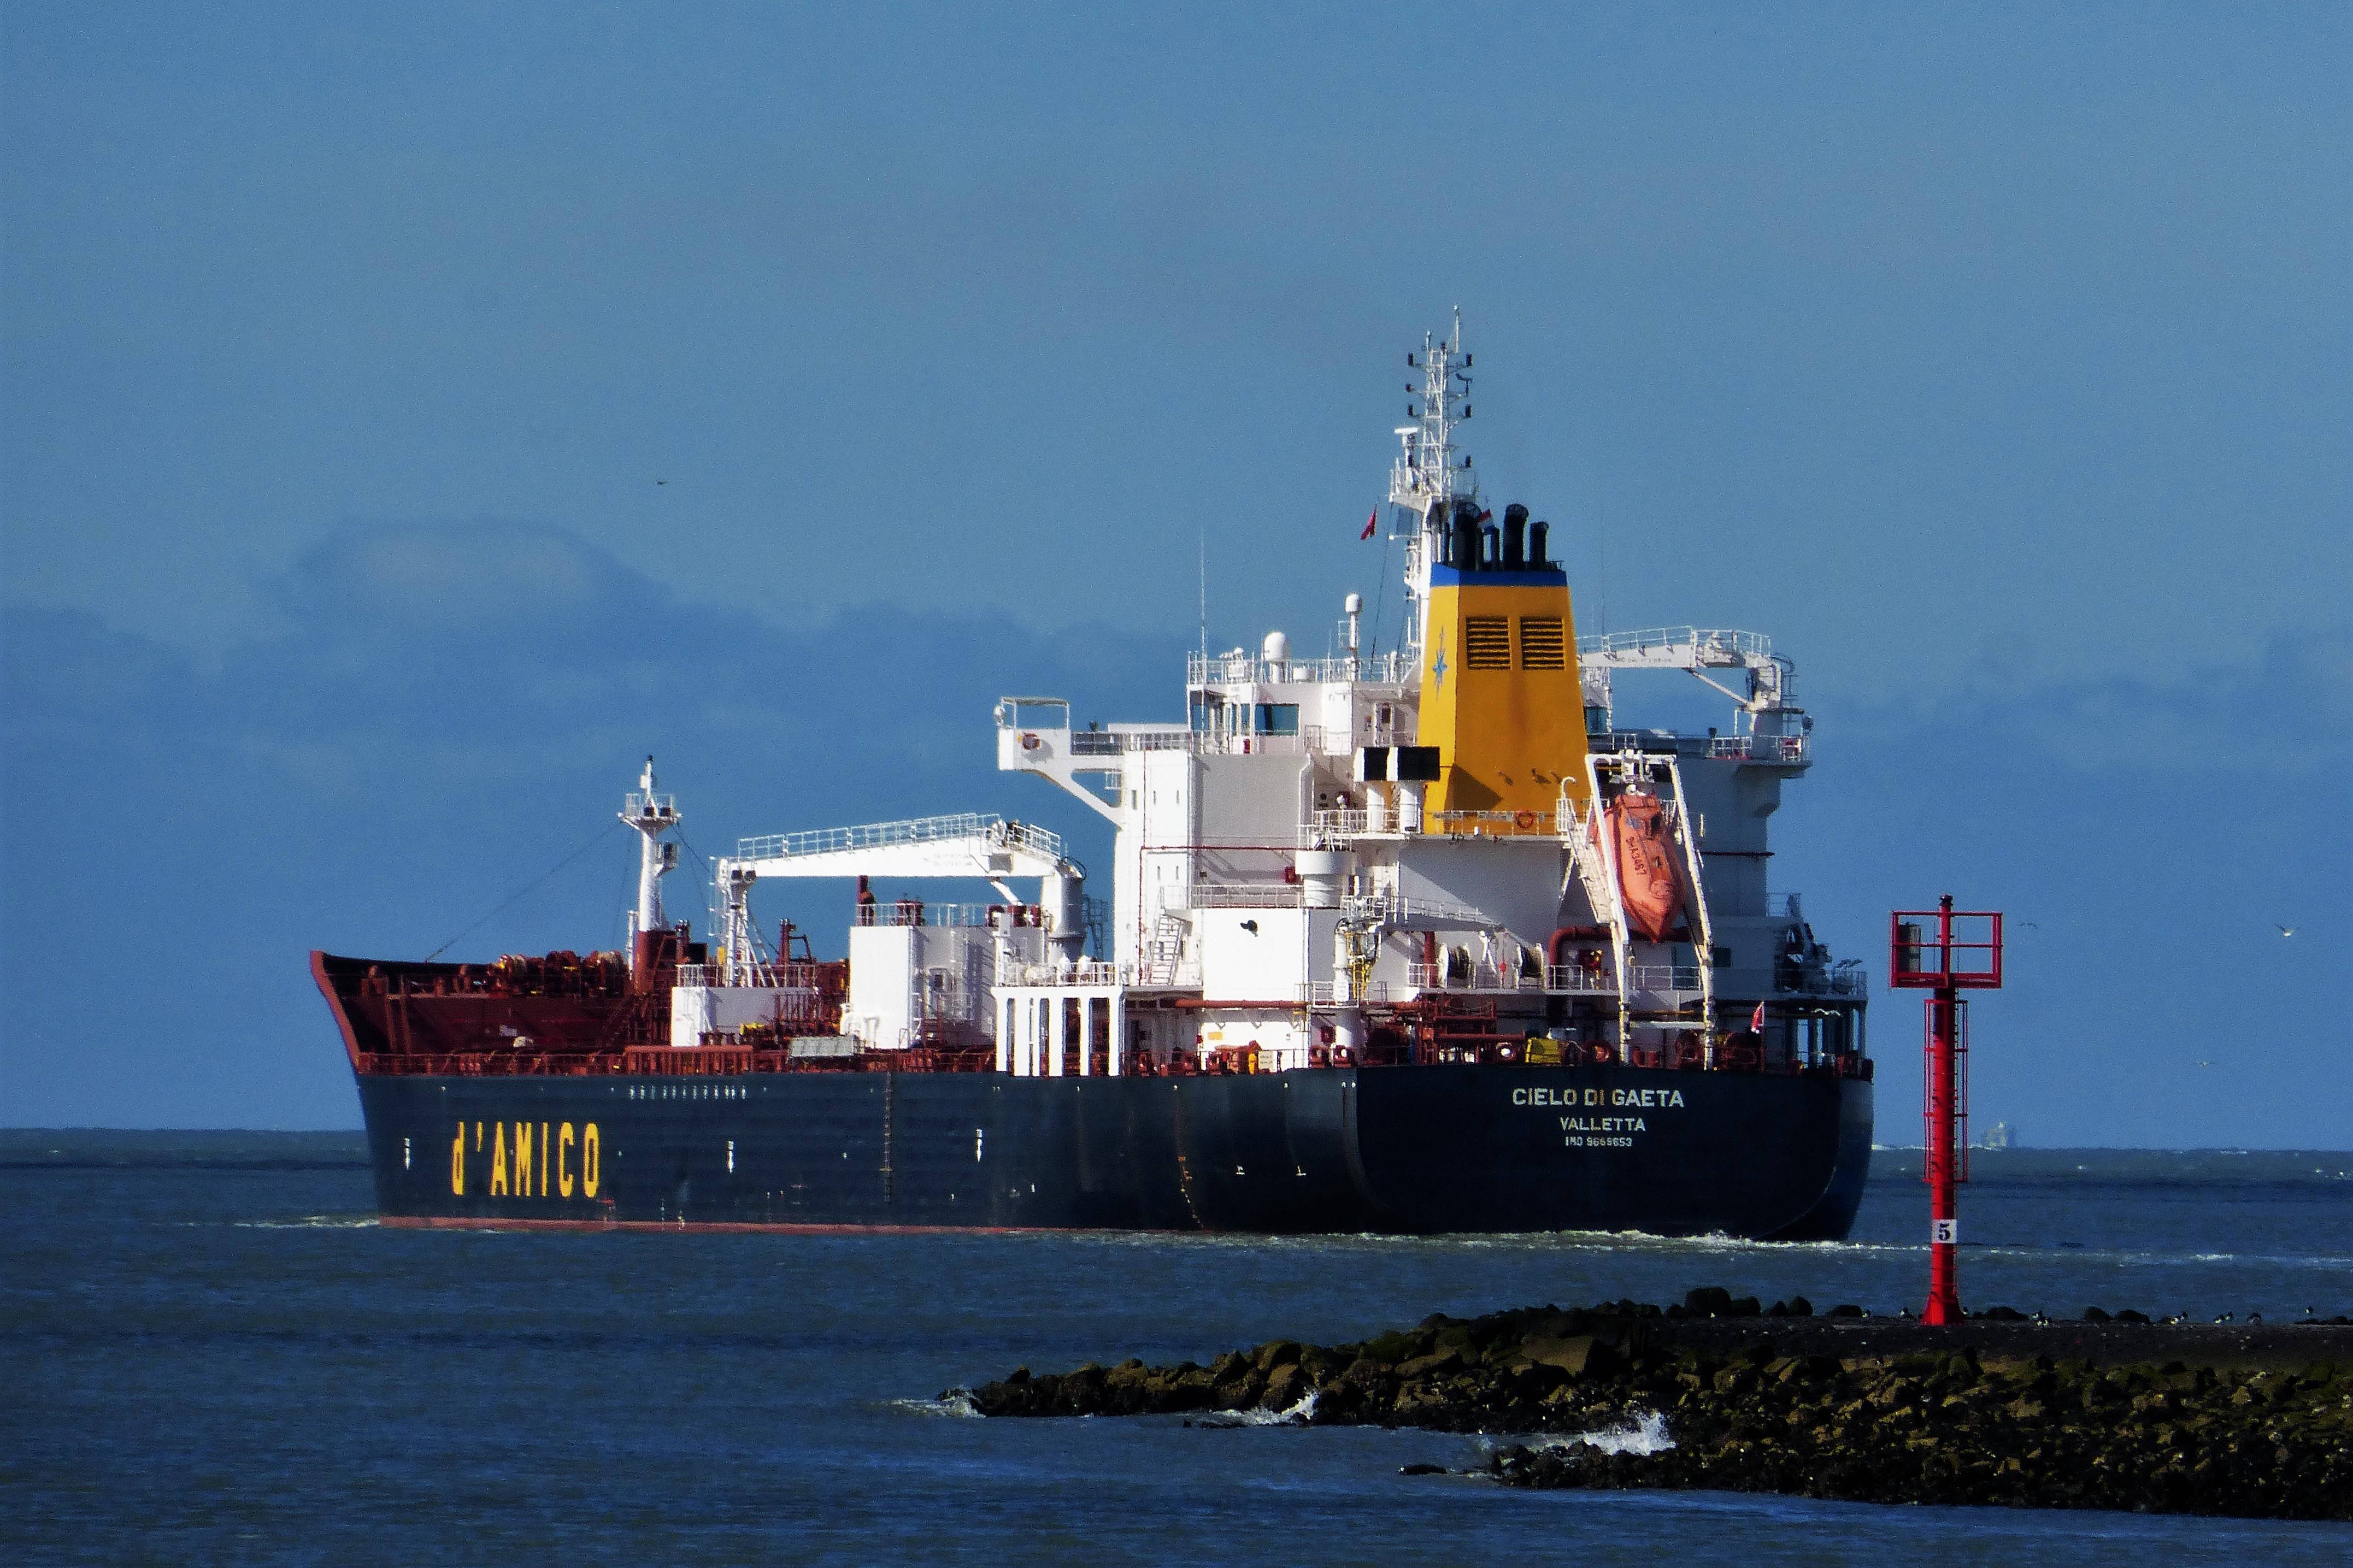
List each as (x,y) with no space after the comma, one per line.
(2255,1317)
(2286,931)
(2028,925)
(662,482)
(2226,1316)
(2205,1064)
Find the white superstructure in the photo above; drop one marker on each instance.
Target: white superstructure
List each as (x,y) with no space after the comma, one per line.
(1293,886)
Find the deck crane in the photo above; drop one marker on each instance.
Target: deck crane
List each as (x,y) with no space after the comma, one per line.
(965,846)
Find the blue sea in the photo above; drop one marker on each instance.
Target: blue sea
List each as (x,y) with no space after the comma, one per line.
(210,1353)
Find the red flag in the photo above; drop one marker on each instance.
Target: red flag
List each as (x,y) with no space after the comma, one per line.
(1757,1020)
(1370,522)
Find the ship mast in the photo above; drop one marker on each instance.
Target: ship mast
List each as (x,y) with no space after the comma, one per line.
(651,814)
(1427,478)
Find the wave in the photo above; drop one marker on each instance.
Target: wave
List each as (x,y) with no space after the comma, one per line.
(955,1402)
(1642,1433)
(1297,1415)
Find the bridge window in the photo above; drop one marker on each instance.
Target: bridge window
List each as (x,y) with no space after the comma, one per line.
(1278,718)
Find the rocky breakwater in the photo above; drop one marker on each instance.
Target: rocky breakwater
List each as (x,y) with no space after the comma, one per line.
(1719,1393)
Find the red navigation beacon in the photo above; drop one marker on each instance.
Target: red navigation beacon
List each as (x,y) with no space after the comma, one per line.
(1947,951)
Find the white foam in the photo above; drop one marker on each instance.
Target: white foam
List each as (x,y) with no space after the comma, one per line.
(1645,1433)
(955,1402)
(1297,1415)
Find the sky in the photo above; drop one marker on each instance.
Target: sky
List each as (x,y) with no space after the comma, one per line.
(410,419)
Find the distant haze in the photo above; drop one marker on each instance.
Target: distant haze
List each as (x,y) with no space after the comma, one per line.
(408,420)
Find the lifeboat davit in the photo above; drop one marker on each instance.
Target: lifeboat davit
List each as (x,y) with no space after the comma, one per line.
(1640,839)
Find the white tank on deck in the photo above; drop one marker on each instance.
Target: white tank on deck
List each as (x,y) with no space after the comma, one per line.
(1321,874)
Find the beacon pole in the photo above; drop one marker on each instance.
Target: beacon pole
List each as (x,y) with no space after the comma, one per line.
(1944,1225)
(1944,965)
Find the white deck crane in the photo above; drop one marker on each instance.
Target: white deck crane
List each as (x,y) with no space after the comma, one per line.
(965,846)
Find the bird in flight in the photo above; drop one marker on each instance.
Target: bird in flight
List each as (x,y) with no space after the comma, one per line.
(662,482)
(2286,931)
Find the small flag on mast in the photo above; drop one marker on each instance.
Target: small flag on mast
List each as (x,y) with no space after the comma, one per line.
(1757,1020)
(1370,523)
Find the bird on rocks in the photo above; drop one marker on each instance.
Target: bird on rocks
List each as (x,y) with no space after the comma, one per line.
(2255,1317)
(2039,1320)
(2226,1316)
(2308,1311)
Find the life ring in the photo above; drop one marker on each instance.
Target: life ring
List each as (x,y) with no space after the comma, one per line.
(1525,821)
(1030,742)
(1602,1056)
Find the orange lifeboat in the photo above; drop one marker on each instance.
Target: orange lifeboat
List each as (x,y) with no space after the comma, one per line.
(1640,839)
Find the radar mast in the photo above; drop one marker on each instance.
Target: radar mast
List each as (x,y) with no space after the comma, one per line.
(1429,477)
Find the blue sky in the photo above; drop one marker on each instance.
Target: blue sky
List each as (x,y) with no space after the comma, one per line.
(1998,364)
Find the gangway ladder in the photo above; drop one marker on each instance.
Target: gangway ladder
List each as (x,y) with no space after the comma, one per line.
(1165,952)
(1597,869)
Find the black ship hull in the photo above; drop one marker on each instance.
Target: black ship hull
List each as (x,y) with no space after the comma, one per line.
(1422,1150)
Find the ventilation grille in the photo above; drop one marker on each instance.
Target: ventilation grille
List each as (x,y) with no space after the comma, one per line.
(1487,642)
(1541,646)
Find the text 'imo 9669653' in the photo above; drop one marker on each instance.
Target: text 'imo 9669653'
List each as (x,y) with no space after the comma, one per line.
(1410,939)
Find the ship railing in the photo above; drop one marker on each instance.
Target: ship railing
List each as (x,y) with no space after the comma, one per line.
(915,912)
(911,830)
(1088,974)
(1308,740)
(1759,748)
(1671,645)
(1663,977)
(1331,829)
(1570,977)
(1480,976)
(1495,824)
(1394,668)
(1391,908)
(767,976)
(1241,896)
(1849,978)
(1152,976)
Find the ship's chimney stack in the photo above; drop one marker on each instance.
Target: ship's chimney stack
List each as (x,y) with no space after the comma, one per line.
(1516,529)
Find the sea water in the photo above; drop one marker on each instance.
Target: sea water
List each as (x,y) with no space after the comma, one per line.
(210,1353)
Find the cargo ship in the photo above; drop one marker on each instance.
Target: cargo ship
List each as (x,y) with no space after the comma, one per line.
(1424,939)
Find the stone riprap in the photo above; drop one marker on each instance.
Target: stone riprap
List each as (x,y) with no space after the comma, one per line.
(2112,1411)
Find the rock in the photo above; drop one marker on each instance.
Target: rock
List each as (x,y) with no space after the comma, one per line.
(1276,1354)
(1575,1356)
(1431,1366)
(2249,1420)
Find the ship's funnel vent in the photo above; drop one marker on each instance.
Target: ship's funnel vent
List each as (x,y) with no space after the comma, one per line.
(1539,555)
(1515,531)
(1465,553)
